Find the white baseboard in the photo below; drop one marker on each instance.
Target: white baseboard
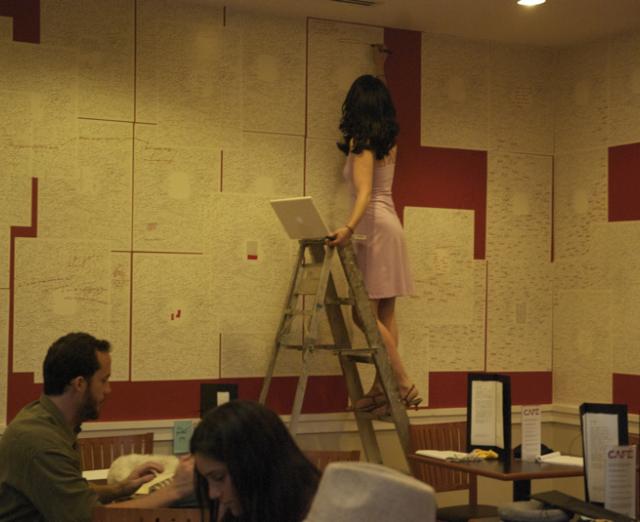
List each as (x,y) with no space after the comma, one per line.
(341,422)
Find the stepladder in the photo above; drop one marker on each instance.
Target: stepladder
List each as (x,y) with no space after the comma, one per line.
(312,298)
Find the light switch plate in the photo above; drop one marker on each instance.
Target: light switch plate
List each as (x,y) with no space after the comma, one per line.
(182,431)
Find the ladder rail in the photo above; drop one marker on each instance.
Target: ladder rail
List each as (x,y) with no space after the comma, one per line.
(374,340)
(285,323)
(322,254)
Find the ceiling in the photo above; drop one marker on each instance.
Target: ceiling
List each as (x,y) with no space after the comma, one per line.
(557,23)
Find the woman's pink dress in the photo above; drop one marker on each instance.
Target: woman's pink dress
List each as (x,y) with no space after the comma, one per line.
(379,241)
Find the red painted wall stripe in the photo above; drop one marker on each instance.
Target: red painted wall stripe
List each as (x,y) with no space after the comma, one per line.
(449,389)
(181,399)
(13,393)
(626,390)
(624,182)
(430,176)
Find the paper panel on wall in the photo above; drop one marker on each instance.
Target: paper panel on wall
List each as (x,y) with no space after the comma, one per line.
(624,89)
(247,344)
(119,325)
(173,186)
(61,287)
(460,347)
(519,207)
(448,308)
(580,273)
(519,315)
(15,210)
(4,352)
(455,93)
(16,150)
(274,69)
(440,244)
(581,200)
(582,342)
(16,157)
(183,72)
(521,107)
(325,182)
(413,344)
(43,88)
(337,54)
(619,243)
(265,164)
(175,331)
(580,87)
(625,329)
(106,75)
(94,199)
(60,22)
(253,259)
(6,29)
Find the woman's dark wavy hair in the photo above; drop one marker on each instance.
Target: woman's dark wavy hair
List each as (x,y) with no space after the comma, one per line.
(368,118)
(274,481)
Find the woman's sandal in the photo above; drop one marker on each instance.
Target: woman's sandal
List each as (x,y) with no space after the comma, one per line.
(412,398)
(372,402)
(381,411)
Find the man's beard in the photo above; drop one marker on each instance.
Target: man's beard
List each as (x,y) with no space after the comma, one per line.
(90,409)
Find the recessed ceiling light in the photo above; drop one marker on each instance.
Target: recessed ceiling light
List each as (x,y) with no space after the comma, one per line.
(531,2)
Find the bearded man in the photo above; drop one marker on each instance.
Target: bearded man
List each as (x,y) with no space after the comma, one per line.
(40,473)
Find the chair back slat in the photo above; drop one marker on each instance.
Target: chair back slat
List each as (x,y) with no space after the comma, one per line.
(100,452)
(443,436)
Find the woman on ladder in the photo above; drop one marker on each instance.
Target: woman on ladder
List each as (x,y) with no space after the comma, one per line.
(369,131)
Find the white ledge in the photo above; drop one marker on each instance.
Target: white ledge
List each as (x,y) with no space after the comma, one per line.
(339,422)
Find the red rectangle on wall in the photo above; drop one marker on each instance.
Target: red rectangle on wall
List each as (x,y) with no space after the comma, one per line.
(449,389)
(626,390)
(624,182)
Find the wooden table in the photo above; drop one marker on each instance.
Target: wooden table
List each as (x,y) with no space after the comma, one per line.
(521,473)
(104,514)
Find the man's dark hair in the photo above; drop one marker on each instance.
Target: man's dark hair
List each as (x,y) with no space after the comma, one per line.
(73,355)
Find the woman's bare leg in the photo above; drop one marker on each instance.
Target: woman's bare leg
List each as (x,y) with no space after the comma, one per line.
(385,315)
(384,311)
(375,396)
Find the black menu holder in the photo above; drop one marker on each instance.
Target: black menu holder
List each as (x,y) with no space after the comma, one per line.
(489,413)
(601,425)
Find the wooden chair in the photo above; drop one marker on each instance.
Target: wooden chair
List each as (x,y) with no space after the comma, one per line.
(447,436)
(322,458)
(100,452)
(103,514)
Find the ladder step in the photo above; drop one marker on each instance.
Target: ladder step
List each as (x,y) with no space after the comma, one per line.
(367,359)
(361,355)
(296,313)
(347,301)
(355,351)
(298,346)
(369,416)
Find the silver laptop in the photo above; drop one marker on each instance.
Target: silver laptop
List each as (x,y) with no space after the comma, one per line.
(300,217)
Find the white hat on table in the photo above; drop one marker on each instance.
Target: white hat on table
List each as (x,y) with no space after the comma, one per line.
(363,492)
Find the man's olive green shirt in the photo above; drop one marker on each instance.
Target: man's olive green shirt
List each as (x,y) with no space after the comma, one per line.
(40,474)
